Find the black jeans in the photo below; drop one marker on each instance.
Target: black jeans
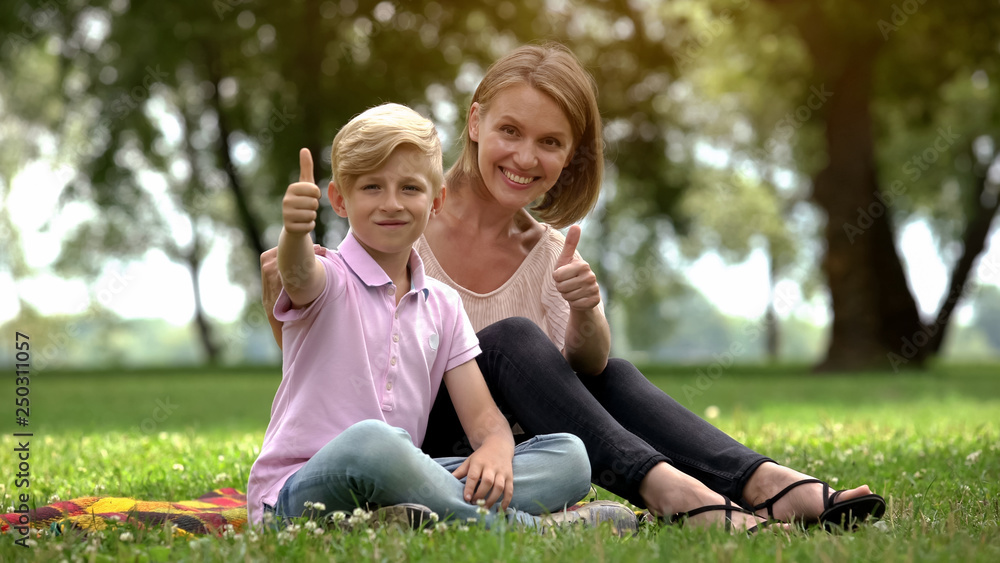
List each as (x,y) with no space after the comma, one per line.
(626,422)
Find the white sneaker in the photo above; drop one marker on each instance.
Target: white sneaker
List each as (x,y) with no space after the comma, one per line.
(591,514)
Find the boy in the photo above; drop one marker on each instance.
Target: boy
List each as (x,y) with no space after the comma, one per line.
(368,340)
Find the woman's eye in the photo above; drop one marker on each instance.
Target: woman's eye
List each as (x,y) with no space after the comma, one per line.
(553,142)
(507,129)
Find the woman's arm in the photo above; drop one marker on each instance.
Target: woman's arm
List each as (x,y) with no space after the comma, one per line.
(588,336)
(270,289)
(588,341)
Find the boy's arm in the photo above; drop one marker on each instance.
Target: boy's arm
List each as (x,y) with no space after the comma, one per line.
(302,274)
(489,470)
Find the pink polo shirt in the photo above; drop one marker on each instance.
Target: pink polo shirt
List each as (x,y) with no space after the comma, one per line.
(354,355)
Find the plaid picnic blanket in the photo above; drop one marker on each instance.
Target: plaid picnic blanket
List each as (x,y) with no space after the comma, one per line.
(208,514)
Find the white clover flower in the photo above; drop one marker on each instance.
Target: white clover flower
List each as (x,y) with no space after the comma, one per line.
(283,537)
(835,480)
(30,542)
(878,458)
(268,517)
(252,537)
(318,532)
(428,531)
(178,467)
(310,525)
(319,506)
(54,498)
(358,512)
(308,504)
(440,527)
(973,457)
(222,458)
(221,477)
(482,510)
(338,516)
(462,528)
(371,534)
(481,502)
(98,487)
(712,412)
(472,520)
(125,536)
(434,517)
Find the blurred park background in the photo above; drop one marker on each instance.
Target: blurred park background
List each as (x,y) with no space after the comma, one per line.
(809,182)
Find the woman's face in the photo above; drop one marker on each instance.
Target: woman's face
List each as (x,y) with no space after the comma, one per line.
(525,141)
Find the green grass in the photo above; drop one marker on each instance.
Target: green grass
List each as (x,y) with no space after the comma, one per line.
(928,442)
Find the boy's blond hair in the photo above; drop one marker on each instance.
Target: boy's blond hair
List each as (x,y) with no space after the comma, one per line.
(365,143)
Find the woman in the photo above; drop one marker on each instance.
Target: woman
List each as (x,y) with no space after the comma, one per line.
(534,136)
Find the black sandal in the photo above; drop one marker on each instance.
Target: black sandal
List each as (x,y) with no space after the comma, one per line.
(729,507)
(846,514)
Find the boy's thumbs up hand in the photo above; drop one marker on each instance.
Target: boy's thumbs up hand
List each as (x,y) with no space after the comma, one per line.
(573,276)
(298,208)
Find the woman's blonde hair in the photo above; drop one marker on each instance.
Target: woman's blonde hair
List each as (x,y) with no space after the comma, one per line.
(555,71)
(366,142)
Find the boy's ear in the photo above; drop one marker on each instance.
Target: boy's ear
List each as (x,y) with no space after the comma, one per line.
(474,122)
(336,200)
(438,201)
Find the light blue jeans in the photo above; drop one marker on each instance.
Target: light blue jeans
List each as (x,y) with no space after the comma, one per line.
(372,463)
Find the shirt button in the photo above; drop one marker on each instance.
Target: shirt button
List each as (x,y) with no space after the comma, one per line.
(397,314)
(388,386)
(395,338)
(390,290)
(392,361)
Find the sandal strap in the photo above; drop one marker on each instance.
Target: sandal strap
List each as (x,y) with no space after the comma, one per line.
(729,508)
(832,500)
(769,503)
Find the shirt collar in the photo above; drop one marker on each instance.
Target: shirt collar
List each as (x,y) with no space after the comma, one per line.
(366,268)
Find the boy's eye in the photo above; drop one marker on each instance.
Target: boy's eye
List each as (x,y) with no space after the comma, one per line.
(412,187)
(370,187)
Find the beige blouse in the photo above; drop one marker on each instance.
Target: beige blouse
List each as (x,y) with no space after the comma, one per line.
(530,292)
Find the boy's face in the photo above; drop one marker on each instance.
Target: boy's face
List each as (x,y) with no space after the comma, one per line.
(389,208)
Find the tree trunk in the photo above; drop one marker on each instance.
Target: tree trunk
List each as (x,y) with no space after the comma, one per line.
(251,227)
(193,259)
(310,68)
(773,341)
(973,243)
(875,317)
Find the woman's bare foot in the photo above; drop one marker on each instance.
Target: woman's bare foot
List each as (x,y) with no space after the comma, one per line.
(668,491)
(803,503)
